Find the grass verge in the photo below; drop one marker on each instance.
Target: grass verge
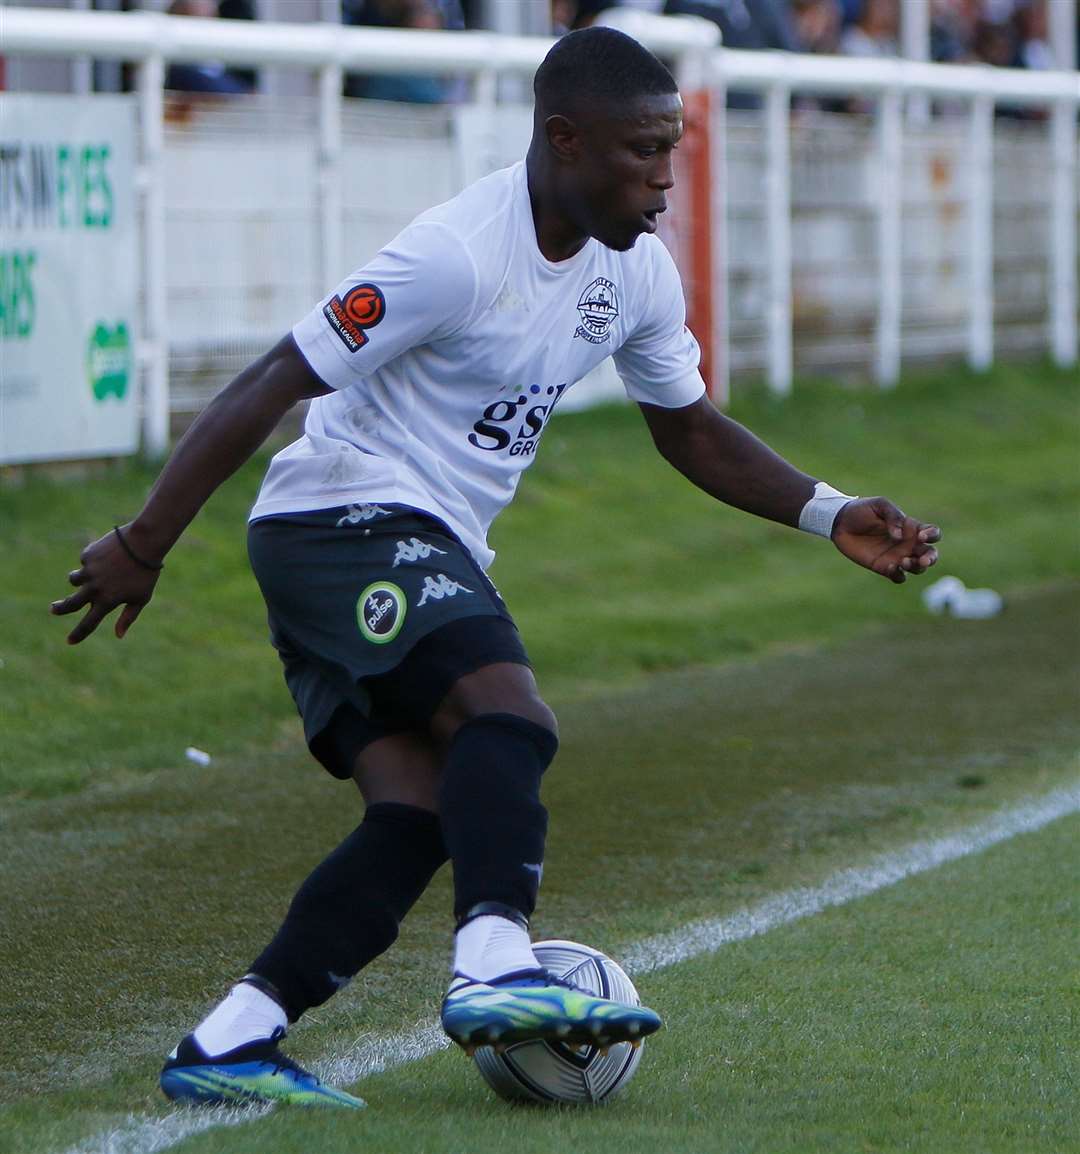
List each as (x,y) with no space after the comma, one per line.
(614,567)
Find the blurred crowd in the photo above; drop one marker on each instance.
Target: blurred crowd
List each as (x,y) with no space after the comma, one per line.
(1007,33)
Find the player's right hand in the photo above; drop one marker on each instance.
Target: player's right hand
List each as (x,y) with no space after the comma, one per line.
(106,577)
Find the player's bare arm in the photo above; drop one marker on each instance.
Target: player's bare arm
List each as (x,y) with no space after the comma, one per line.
(122,568)
(728,462)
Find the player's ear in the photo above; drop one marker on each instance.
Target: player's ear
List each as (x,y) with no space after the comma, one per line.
(563,137)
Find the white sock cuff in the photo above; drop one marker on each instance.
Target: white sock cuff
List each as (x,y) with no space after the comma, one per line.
(489,946)
(244,1015)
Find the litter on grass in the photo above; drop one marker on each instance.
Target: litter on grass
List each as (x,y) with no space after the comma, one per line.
(951,596)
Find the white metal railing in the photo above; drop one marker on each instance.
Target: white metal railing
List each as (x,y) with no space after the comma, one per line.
(151,40)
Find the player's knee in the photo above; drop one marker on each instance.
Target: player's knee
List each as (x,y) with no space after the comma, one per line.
(509,690)
(537,716)
(539,713)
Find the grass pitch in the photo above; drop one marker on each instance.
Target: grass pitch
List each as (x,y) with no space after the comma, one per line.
(940,1015)
(936,1016)
(835,1034)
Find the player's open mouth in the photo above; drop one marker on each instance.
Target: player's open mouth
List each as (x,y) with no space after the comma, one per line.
(650,219)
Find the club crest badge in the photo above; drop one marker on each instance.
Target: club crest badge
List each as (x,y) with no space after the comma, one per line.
(598,307)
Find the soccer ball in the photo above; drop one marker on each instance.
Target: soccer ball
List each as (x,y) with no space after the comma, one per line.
(554,1071)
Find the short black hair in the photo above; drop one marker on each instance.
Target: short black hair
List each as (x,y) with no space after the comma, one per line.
(599,65)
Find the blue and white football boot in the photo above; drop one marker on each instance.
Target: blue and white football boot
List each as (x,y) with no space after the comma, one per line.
(535,1004)
(256,1072)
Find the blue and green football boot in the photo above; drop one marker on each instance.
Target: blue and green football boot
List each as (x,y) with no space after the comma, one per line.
(535,1004)
(257,1072)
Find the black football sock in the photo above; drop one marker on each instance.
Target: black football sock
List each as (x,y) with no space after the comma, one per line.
(492,817)
(348,910)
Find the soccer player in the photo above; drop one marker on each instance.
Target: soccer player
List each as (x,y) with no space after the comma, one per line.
(432,372)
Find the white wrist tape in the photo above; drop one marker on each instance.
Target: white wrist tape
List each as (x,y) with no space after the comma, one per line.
(819,513)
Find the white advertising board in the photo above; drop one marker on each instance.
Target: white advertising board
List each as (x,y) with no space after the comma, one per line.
(68,278)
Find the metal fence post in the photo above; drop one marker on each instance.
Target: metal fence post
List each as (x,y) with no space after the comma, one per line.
(155,398)
(778,235)
(331,200)
(981,234)
(889,207)
(721,322)
(1063,235)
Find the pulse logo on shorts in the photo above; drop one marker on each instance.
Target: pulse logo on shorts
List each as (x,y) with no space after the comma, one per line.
(598,307)
(380,612)
(361,308)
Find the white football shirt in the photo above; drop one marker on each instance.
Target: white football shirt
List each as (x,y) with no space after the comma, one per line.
(449,350)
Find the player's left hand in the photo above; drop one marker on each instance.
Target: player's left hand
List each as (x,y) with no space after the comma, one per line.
(874,533)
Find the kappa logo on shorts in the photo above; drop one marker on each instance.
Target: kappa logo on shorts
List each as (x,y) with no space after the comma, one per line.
(380,612)
(439,587)
(360,513)
(598,307)
(415,550)
(361,308)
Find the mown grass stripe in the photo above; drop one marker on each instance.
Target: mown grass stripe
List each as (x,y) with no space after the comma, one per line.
(148,1135)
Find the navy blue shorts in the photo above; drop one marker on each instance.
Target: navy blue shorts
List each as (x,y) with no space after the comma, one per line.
(375,612)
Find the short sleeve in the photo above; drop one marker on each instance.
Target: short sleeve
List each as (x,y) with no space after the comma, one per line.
(659,360)
(420,287)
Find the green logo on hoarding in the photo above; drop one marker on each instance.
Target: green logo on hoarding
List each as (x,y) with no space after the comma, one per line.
(108,361)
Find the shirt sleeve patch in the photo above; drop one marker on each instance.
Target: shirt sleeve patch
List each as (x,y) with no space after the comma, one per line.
(362,307)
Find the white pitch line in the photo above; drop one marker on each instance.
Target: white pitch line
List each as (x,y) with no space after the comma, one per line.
(374,1055)
(709,935)
(150,1135)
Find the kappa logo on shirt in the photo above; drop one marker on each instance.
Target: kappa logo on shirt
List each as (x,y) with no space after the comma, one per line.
(510,300)
(361,308)
(598,307)
(364,512)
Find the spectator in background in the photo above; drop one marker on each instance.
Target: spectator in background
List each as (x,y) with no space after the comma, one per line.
(1033,35)
(570,15)
(817,25)
(875,31)
(240,10)
(418,89)
(751,24)
(993,41)
(563,15)
(952,30)
(1005,33)
(208,78)
(1012,34)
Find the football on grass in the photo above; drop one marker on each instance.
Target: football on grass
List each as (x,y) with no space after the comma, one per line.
(553,1071)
